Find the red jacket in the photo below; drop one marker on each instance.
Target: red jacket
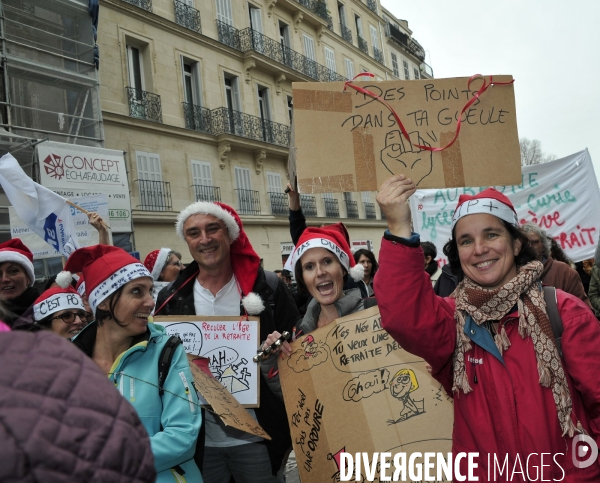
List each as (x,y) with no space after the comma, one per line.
(508,412)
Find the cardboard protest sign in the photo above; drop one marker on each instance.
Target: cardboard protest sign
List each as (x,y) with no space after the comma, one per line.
(561,196)
(350,387)
(223,404)
(348,141)
(229,343)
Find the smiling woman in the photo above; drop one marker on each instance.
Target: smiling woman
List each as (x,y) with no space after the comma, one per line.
(61,311)
(128,350)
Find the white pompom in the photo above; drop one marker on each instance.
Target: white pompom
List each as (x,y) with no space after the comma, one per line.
(253,304)
(357,272)
(64,279)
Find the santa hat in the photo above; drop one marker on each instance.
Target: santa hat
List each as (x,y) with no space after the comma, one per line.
(244,260)
(15,251)
(490,202)
(80,287)
(54,300)
(337,457)
(333,238)
(156,260)
(105,269)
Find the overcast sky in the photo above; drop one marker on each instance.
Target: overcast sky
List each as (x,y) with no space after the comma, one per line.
(550,47)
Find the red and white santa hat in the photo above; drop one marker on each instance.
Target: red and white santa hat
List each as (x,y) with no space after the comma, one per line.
(333,238)
(15,251)
(244,260)
(54,300)
(156,260)
(80,287)
(490,202)
(105,269)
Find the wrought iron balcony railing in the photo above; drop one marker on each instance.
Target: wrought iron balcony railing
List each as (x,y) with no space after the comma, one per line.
(145,4)
(372,4)
(229,121)
(405,41)
(346,33)
(362,45)
(197,118)
(378,54)
(332,209)
(154,195)
(416,49)
(427,69)
(351,209)
(248,202)
(309,205)
(249,39)
(228,35)
(316,6)
(207,193)
(279,203)
(370,211)
(187,16)
(144,105)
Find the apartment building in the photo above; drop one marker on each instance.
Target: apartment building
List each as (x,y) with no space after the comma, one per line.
(199,96)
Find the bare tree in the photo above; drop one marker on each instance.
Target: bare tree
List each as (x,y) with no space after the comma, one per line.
(531,152)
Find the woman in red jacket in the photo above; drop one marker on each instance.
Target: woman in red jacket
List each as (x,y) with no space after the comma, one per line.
(517,402)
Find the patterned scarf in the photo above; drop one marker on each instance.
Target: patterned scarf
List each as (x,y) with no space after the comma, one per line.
(485,305)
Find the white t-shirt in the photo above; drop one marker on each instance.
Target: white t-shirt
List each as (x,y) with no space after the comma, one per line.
(226,302)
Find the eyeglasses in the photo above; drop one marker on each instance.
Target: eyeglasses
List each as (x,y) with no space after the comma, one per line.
(175,264)
(69,317)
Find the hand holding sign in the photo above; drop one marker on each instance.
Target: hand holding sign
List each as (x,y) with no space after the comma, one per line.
(392,198)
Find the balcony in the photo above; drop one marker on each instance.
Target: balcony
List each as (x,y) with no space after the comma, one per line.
(404,41)
(279,204)
(251,40)
(197,117)
(351,209)
(426,68)
(332,209)
(309,205)
(144,105)
(370,211)
(317,7)
(346,33)
(145,4)
(362,45)
(228,35)
(248,202)
(207,193)
(154,195)
(378,54)
(187,16)
(372,4)
(225,121)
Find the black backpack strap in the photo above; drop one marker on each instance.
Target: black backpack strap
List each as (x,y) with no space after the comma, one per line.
(164,361)
(369,302)
(554,315)
(272,281)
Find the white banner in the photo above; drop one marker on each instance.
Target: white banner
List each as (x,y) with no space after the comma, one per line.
(561,196)
(74,170)
(87,235)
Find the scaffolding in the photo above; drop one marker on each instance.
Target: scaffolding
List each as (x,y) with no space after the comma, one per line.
(49,82)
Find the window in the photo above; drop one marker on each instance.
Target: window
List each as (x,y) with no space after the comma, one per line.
(202,182)
(246,199)
(406,74)
(416,72)
(265,113)
(135,69)
(274,182)
(290,107)
(148,165)
(279,202)
(284,34)
(191,81)
(232,99)
(395,65)
(366,196)
(349,69)
(374,40)
(154,194)
(255,19)
(342,14)
(309,47)
(224,13)
(330,59)
(358,23)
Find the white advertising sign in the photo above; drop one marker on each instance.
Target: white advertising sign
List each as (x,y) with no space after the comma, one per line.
(561,196)
(73,171)
(86,234)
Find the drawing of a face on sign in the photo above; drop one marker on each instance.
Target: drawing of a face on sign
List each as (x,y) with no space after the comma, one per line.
(189,334)
(401,157)
(402,385)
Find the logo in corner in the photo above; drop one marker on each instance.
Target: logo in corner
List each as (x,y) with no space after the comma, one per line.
(54,166)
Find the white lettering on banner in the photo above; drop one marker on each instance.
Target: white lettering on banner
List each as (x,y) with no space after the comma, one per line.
(561,196)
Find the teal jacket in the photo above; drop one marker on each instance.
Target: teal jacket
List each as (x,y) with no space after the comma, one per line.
(172,421)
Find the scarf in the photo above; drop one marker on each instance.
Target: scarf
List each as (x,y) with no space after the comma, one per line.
(490,305)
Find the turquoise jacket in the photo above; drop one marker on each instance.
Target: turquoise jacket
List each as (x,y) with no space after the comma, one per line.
(173,421)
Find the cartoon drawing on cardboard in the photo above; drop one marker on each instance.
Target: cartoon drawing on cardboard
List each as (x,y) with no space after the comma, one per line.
(399,156)
(335,478)
(312,354)
(402,385)
(233,376)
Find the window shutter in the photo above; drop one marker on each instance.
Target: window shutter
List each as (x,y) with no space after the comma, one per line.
(274,182)
(309,47)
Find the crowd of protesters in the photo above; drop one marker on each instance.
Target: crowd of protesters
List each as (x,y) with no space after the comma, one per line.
(531,391)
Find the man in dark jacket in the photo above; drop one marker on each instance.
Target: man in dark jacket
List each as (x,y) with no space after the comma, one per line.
(226,279)
(61,419)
